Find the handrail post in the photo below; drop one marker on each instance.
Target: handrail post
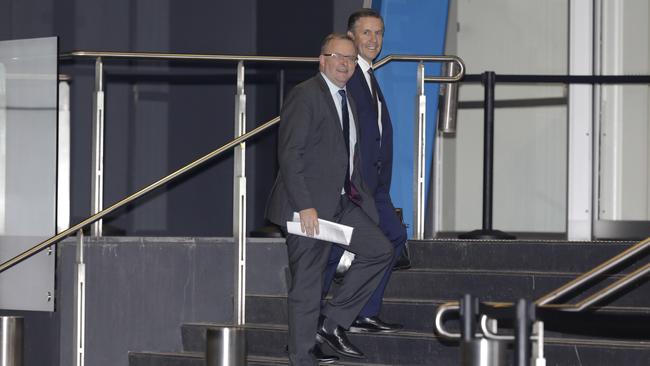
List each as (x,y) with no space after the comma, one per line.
(523,324)
(79,326)
(97,179)
(239,200)
(419,156)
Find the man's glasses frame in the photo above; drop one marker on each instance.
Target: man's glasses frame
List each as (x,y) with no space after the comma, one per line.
(338,57)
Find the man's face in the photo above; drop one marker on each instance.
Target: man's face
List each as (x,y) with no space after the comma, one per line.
(368,36)
(339,65)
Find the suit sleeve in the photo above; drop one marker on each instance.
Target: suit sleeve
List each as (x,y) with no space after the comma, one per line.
(296,119)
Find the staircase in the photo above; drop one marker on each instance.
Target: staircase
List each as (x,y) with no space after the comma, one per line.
(443,270)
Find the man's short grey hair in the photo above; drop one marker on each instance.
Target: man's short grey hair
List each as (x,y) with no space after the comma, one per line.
(332,36)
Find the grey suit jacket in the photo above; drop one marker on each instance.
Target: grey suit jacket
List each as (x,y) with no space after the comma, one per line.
(312,157)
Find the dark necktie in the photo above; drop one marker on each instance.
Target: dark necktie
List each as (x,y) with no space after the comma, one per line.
(348,186)
(375,88)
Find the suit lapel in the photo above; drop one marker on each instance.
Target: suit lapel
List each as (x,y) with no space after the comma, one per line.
(333,113)
(361,78)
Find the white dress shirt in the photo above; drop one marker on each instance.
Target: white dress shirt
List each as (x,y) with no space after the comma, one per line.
(365,66)
(334,91)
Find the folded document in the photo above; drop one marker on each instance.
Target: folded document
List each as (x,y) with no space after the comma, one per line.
(328,230)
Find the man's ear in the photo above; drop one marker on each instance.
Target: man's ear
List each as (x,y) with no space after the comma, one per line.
(350,34)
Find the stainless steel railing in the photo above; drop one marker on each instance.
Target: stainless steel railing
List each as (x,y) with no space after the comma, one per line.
(570,287)
(200,161)
(238,144)
(98,108)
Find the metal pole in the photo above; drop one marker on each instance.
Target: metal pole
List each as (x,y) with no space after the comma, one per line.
(419,157)
(63,165)
(489,80)
(448,105)
(225,346)
(3,146)
(523,324)
(468,312)
(11,340)
(446,125)
(538,344)
(282,83)
(488,148)
(79,326)
(97,179)
(239,199)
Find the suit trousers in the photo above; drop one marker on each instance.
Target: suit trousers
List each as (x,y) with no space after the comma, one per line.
(307,260)
(393,229)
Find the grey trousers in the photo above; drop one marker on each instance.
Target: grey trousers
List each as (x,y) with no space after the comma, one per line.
(307,260)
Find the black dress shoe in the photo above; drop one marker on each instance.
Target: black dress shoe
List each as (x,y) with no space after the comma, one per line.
(372,324)
(322,357)
(339,342)
(402,263)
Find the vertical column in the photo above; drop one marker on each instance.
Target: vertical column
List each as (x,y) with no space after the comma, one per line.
(3,146)
(418,157)
(239,200)
(97,179)
(63,157)
(581,175)
(79,327)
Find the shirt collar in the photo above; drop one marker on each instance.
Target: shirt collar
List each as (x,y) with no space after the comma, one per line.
(334,89)
(364,65)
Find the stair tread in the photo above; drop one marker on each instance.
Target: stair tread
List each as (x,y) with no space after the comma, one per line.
(600,342)
(434,302)
(255,359)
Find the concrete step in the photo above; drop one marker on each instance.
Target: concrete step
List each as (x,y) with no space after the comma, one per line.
(413,348)
(519,255)
(418,316)
(449,285)
(267,272)
(198,359)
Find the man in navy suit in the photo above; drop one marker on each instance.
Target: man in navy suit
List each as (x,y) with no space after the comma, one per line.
(366,28)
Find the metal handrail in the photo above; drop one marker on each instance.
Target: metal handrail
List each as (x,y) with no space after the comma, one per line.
(580,281)
(49,242)
(421,58)
(216,57)
(591,275)
(184,56)
(236,58)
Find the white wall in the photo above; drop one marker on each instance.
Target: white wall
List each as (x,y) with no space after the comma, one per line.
(510,37)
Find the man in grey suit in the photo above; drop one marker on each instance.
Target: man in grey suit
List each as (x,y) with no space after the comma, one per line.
(319,178)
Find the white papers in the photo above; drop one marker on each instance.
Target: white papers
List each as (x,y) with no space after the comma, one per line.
(328,231)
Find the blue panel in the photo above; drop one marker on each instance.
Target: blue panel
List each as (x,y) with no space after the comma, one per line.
(412,27)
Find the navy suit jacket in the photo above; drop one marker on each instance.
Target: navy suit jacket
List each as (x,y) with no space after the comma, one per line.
(376,151)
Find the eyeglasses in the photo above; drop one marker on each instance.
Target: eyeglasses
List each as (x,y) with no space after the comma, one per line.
(339,57)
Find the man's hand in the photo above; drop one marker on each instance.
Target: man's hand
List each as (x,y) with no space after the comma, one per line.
(309,221)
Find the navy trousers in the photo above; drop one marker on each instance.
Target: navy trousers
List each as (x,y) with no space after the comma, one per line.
(395,232)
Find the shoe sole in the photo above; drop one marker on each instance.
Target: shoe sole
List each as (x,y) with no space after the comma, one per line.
(323,340)
(363,330)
